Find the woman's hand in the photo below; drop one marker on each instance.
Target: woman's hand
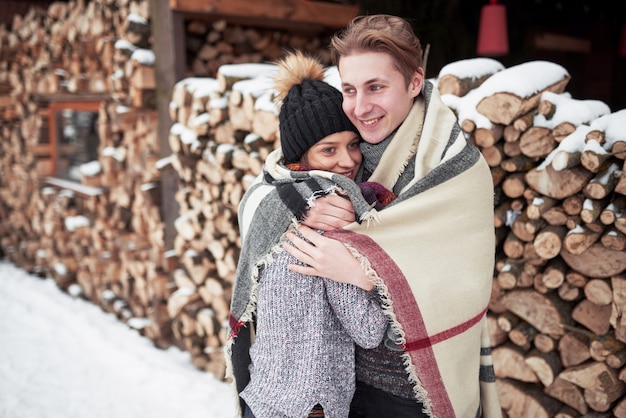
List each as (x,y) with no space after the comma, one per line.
(329,212)
(325,257)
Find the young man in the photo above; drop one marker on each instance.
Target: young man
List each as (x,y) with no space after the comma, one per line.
(436,238)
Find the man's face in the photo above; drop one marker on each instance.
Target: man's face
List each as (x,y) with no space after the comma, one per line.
(375,95)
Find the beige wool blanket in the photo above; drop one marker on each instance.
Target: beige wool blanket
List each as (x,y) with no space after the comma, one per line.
(430,254)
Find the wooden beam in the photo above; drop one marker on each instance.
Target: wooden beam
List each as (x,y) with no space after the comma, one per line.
(563,43)
(298,15)
(169,50)
(74,99)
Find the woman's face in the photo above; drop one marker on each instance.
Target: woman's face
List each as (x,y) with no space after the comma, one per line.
(338,153)
(376,97)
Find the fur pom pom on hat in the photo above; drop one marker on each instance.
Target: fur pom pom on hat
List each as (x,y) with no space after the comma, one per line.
(310,108)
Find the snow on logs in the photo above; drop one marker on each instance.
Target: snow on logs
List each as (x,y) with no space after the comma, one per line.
(556,314)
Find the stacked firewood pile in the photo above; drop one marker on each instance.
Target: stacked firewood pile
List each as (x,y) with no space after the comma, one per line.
(559,290)
(103,238)
(209,46)
(219,140)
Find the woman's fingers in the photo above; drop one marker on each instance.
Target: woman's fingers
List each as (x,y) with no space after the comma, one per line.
(330,212)
(309,234)
(303,256)
(325,257)
(299,248)
(306,270)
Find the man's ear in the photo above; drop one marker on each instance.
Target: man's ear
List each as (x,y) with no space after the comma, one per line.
(416,83)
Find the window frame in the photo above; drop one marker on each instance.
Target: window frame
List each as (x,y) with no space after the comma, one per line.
(54,103)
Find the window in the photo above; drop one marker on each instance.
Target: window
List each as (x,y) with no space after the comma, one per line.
(68,135)
(73,136)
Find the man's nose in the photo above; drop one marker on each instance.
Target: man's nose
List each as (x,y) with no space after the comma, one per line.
(361,104)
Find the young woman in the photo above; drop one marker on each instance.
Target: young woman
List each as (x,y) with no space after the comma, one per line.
(306,327)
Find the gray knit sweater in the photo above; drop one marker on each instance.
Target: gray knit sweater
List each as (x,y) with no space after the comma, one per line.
(303,353)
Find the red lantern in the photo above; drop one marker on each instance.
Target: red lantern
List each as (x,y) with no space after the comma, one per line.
(493,38)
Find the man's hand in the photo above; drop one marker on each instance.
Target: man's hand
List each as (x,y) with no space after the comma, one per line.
(325,257)
(329,212)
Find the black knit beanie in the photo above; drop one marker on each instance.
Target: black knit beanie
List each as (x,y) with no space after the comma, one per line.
(310,111)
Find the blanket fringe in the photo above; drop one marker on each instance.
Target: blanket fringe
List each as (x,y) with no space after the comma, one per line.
(370,217)
(387,306)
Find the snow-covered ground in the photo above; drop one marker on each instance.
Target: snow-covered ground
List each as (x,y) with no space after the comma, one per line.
(64,357)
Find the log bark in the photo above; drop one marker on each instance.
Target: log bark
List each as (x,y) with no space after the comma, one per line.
(563,160)
(524,400)
(509,362)
(595,318)
(544,312)
(459,86)
(600,383)
(504,107)
(546,366)
(537,142)
(603,184)
(579,239)
(569,394)
(562,130)
(598,292)
(574,347)
(608,349)
(549,241)
(558,184)
(596,262)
